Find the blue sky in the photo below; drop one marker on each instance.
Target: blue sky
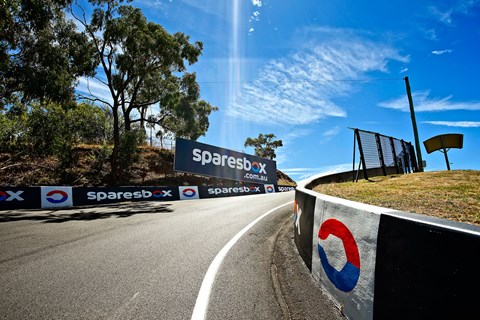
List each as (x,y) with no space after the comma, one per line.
(308,70)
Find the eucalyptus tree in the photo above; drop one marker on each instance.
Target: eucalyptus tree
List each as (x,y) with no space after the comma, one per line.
(143,65)
(264,145)
(42,54)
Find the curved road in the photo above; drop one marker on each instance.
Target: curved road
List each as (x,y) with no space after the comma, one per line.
(142,260)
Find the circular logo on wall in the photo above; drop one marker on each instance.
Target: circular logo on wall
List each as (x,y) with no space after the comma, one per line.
(57,196)
(189,192)
(347,278)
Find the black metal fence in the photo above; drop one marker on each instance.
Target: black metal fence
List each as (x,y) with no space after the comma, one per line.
(387,154)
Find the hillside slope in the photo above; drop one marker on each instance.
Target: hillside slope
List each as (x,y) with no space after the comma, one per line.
(155,168)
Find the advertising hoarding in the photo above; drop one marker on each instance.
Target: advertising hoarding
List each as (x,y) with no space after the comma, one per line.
(199,158)
(19,198)
(103,195)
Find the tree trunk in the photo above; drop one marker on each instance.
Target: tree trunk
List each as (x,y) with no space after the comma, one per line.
(116,143)
(128,123)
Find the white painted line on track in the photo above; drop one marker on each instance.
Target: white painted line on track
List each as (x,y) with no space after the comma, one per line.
(201,305)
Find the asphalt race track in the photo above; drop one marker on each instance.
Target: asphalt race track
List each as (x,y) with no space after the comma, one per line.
(143,260)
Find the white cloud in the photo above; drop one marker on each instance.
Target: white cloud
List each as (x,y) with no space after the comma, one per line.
(329,134)
(423,103)
(332,132)
(440,52)
(431,34)
(459,7)
(304,174)
(442,16)
(404,70)
(301,88)
(460,124)
(257,3)
(255,16)
(251,30)
(283,153)
(289,137)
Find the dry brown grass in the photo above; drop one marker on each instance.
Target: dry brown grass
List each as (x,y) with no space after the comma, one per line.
(453,195)
(154,168)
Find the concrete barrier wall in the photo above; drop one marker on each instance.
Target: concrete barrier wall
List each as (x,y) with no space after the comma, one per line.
(65,196)
(379,263)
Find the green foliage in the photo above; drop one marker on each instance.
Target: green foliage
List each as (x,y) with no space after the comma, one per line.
(41,53)
(144,66)
(13,127)
(129,152)
(264,145)
(47,129)
(90,124)
(50,135)
(51,127)
(100,157)
(188,117)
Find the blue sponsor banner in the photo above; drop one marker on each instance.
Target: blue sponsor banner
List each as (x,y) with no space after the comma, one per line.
(222,191)
(204,159)
(93,196)
(19,198)
(284,188)
(51,197)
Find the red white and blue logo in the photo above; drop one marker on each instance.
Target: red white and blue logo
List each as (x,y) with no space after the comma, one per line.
(269,188)
(161,193)
(56,197)
(347,278)
(188,193)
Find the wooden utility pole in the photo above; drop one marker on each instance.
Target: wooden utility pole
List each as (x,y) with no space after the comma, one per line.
(414,124)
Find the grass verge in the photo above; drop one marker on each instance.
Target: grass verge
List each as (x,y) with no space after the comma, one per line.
(453,195)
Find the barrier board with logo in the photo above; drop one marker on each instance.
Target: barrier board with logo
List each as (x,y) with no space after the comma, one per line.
(426,271)
(92,196)
(304,209)
(343,254)
(380,263)
(56,197)
(220,191)
(19,198)
(189,193)
(204,159)
(12,198)
(284,188)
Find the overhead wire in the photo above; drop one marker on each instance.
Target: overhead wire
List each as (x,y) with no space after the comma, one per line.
(302,81)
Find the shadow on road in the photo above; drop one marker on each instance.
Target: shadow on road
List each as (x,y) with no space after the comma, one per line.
(120,210)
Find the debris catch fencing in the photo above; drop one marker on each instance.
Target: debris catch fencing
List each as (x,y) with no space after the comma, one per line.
(387,154)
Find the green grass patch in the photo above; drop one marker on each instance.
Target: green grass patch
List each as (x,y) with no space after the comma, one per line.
(453,195)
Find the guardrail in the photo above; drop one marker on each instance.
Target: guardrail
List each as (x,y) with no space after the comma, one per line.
(379,263)
(62,196)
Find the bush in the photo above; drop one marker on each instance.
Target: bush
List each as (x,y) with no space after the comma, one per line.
(129,152)
(13,130)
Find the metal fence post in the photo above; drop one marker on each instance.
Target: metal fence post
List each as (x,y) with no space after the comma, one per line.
(380,154)
(354,149)
(394,153)
(413,159)
(406,157)
(362,157)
